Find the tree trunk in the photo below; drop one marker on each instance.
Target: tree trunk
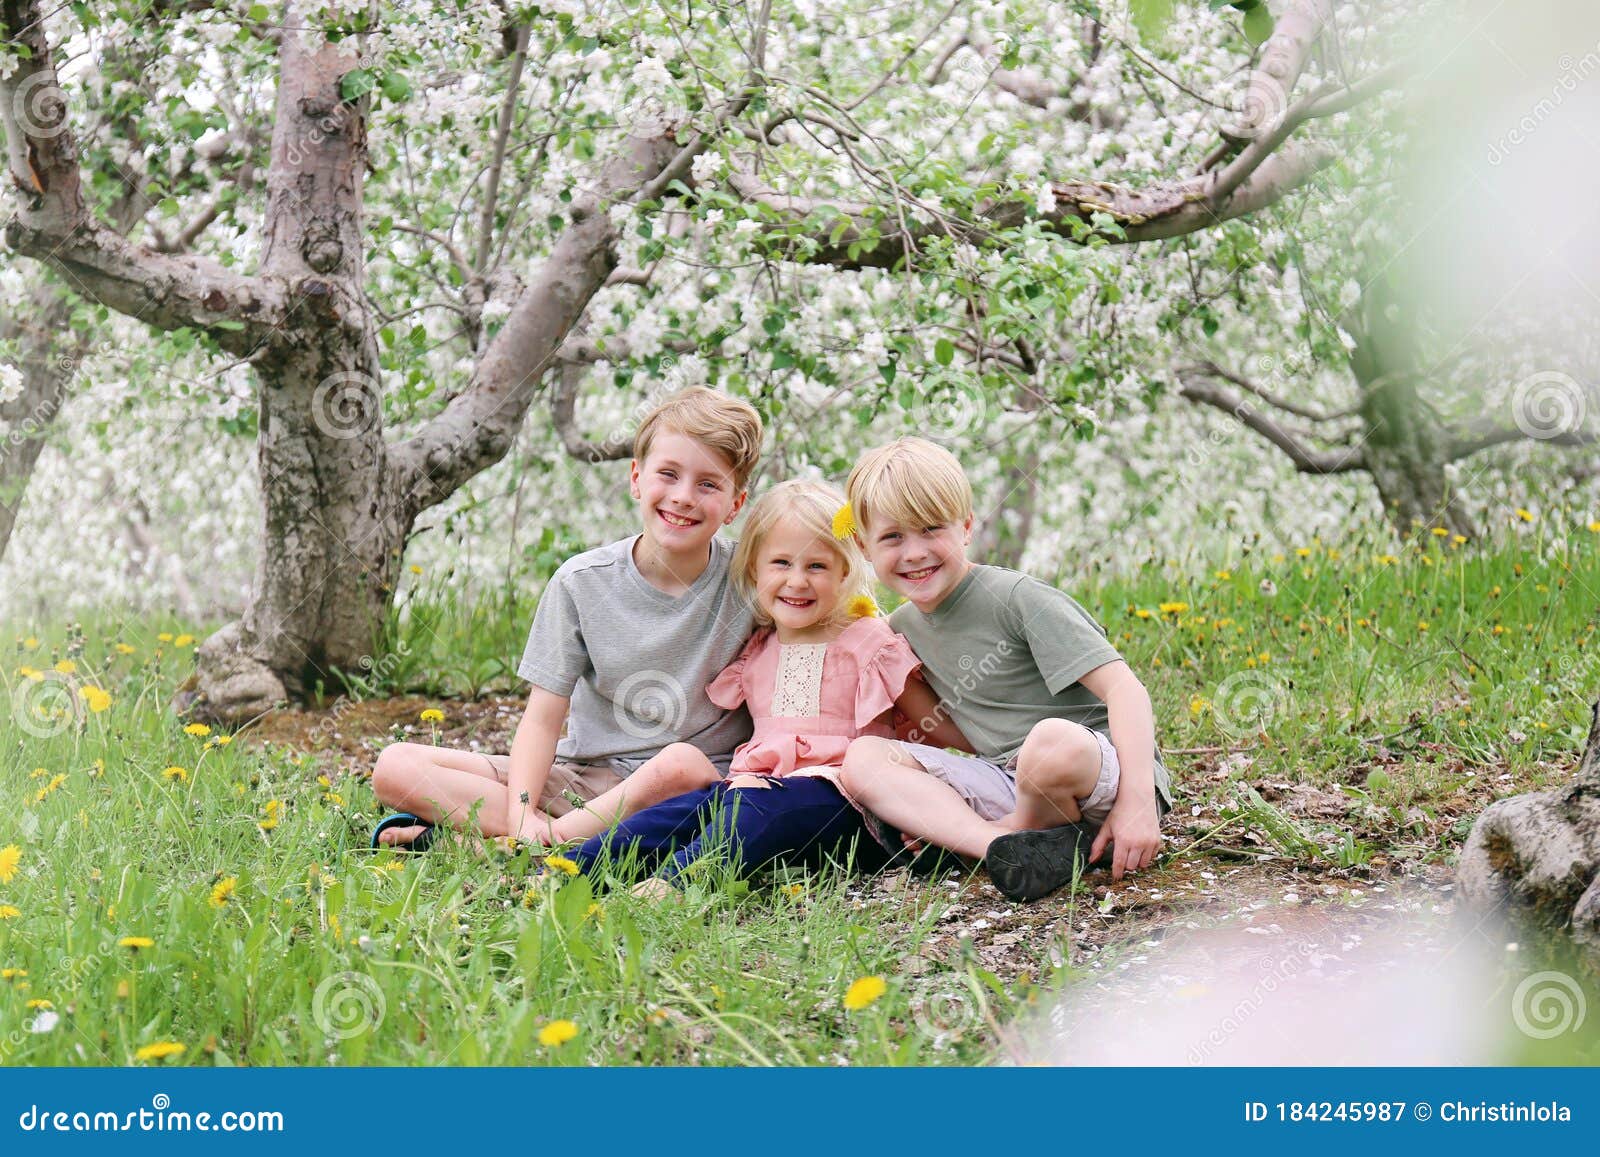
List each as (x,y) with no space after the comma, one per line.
(1534,859)
(1406,447)
(332,529)
(1407,450)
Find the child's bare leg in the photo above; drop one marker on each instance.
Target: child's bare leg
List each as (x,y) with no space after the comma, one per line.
(1059,764)
(679,768)
(881,776)
(441,785)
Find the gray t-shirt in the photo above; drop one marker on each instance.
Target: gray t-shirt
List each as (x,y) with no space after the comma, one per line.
(1003,651)
(634,660)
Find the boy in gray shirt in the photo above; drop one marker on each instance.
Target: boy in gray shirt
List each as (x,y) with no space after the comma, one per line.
(625,639)
(1065,759)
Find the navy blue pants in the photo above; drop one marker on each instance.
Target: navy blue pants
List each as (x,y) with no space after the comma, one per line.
(799,820)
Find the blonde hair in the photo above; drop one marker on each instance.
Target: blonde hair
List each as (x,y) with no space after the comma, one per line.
(909,482)
(812,505)
(728,425)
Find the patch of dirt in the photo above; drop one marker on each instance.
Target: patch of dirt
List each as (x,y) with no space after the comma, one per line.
(1211,875)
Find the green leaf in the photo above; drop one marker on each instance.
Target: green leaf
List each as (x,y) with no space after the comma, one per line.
(395,86)
(773,323)
(944,351)
(1258,25)
(1151,17)
(887,369)
(356,83)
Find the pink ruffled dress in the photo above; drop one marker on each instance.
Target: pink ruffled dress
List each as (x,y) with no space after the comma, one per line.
(809,700)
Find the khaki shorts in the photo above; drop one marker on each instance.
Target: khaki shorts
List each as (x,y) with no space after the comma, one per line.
(990,788)
(571,785)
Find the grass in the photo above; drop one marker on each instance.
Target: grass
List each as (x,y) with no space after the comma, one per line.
(277,938)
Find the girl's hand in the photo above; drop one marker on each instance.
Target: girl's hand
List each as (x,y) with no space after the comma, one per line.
(1134,833)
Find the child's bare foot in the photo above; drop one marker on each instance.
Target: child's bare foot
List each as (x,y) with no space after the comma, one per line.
(405,836)
(655,889)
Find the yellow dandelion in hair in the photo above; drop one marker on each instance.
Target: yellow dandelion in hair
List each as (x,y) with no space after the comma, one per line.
(136,942)
(198,730)
(178,773)
(862,607)
(96,698)
(223,891)
(10,857)
(9,912)
(183,641)
(160,1050)
(67,667)
(557,1033)
(561,864)
(844,522)
(432,715)
(864,993)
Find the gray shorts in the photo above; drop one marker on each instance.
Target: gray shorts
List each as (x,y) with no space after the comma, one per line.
(990,788)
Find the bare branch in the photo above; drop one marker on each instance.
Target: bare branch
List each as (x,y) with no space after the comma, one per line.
(563,406)
(1486,433)
(508,111)
(1302,411)
(1197,388)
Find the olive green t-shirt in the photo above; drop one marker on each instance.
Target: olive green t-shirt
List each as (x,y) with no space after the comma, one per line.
(1004,651)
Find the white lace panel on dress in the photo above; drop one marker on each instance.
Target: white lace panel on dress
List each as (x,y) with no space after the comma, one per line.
(798,694)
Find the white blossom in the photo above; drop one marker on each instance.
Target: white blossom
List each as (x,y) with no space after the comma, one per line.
(10,384)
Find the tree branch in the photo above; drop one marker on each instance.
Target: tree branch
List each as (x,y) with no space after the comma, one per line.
(1197,388)
(563,408)
(55,226)
(1213,370)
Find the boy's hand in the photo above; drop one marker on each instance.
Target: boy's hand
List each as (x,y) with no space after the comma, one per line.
(1134,834)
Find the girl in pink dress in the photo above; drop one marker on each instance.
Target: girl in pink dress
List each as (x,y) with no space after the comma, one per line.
(820,670)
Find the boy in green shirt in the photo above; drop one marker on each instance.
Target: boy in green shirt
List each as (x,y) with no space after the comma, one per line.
(1063,736)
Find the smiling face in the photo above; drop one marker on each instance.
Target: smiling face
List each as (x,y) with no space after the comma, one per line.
(921,563)
(685,491)
(799,579)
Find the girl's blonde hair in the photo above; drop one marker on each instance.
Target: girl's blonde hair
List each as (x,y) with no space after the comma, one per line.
(812,505)
(909,482)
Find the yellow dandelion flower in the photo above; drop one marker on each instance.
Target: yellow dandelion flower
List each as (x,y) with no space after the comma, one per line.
(67,667)
(432,715)
(864,992)
(124,649)
(123,989)
(12,973)
(183,641)
(1224,575)
(40,1002)
(136,942)
(1173,608)
(223,891)
(594,912)
(222,740)
(1457,539)
(30,643)
(557,1033)
(561,864)
(1594,527)
(32,674)
(1499,629)
(159,1050)
(844,522)
(56,781)
(415,569)
(862,607)
(1439,532)
(96,698)
(9,912)
(1142,613)
(1302,552)
(164,637)
(198,730)
(793,890)
(180,774)
(10,857)
(1198,704)
(1526,515)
